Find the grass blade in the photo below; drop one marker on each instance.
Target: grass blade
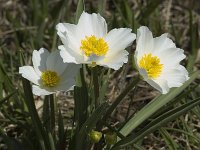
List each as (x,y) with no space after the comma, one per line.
(90,124)
(80,8)
(158,122)
(155,105)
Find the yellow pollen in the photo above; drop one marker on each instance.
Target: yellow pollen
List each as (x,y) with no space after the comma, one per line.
(50,78)
(92,45)
(151,64)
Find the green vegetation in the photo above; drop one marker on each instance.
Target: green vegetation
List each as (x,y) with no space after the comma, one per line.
(140,117)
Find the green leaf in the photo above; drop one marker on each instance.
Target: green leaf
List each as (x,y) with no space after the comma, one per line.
(172,145)
(51,141)
(194,43)
(61,132)
(149,9)
(7,97)
(90,124)
(101,6)
(156,123)
(80,8)
(154,106)
(121,96)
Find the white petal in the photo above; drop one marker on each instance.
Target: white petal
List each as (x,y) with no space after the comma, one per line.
(144,41)
(143,73)
(119,39)
(66,86)
(171,56)
(159,84)
(91,24)
(40,91)
(68,34)
(94,58)
(69,57)
(39,60)
(176,76)
(62,33)
(55,62)
(115,61)
(71,71)
(162,43)
(29,73)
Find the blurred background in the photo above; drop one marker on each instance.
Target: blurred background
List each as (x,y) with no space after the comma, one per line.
(26,25)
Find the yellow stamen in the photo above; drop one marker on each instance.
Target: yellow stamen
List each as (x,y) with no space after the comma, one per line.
(50,78)
(92,45)
(152,65)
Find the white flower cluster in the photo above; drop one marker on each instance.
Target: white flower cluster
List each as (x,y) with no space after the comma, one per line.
(88,42)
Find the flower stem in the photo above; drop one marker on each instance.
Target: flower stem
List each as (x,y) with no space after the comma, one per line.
(95,86)
(52,108)
(121,96)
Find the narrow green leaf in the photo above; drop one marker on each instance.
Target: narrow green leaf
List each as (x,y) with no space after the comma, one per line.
(101,6)
(51,141)
(7,97)
(80,8)
(184,132)
(81,101)
(172,145)
(155,105)
(53,115)
(90,124)
(46,113)
(156,123)
(149,9)
(121,96)
(194,43)
(61,132)
(34,115)
(103,88)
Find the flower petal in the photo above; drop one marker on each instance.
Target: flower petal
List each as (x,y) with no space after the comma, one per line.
(159,84)
(29,73)
(55,62)
(67,56)
(171,57)
(91,24)
(162,43)
(67,85)
(115,61)
(119,39)
(71,71)
(144,41)
(176,76)
(37,90)
(39,60)
(68,35)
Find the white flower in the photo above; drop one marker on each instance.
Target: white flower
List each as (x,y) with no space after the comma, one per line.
(88,42)
(49,74)
(158,61)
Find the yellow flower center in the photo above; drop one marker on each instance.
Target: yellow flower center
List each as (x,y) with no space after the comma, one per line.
(50,78)
(92,45)
(152,65)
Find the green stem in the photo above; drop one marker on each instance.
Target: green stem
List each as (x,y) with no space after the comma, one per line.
(96,86)
(42,135)
(52,109)
(121,96)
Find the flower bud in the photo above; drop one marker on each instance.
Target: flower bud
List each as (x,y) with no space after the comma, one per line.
(111,138)
(95,136)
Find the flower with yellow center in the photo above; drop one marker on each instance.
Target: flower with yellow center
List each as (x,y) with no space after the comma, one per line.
(50,78)
(89,43)
(92,45)
(49,74)
(152,65)
(158,61)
